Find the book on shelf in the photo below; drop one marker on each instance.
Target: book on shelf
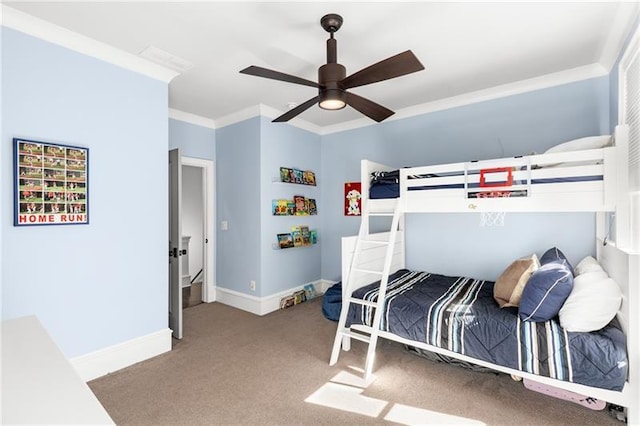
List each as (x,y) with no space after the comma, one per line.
(291,207)
(301,205)
(309,178)
(297,236)
(305,235)
(311,206)
(313,234)
(280,207)
(297,176)
(285,241)
(285,174)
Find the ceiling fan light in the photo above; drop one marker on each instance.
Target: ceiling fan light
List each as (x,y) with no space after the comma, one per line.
(333,99)
(332,104)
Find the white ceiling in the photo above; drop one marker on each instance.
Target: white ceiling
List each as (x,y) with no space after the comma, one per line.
(465,47)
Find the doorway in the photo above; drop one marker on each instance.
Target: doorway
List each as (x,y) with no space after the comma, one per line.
(192,238)
(198,217)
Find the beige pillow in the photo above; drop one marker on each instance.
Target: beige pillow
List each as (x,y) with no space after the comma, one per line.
(508,287)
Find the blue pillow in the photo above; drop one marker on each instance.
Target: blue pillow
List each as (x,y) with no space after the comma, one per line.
(545,292)
(332,302)
(555,255)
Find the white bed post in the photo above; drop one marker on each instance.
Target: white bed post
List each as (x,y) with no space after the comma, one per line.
(621,261)
(621,191)
(625,241)
(633,340)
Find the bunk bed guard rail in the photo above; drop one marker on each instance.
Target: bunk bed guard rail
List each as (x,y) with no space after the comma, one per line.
(567,181)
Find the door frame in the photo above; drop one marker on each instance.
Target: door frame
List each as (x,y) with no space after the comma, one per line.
(209,205)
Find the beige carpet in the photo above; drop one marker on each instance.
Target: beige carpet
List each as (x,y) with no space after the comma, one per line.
(233,367)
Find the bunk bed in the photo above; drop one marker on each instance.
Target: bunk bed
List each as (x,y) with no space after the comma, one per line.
(589,180)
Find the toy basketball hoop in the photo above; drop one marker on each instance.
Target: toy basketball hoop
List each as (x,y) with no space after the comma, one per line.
(492,218)
(495,182)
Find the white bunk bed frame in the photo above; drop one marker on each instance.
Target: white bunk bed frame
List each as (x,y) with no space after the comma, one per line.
(610,194)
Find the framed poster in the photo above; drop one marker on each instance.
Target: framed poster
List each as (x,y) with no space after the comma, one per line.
(352,199)
(51,183)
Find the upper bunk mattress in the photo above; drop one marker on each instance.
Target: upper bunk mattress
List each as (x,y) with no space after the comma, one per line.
(461,315)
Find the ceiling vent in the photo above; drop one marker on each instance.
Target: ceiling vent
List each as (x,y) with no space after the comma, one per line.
(166,59)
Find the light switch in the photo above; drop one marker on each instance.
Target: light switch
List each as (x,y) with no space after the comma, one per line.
(224,225)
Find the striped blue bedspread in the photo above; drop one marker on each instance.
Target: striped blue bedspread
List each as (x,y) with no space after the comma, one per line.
(460,314)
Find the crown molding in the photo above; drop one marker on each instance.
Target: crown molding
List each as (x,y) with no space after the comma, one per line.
(39,28)
(543,82)
(238,116)
(524,86)
(272,113)
(626,17)
(187,117)
(264,111)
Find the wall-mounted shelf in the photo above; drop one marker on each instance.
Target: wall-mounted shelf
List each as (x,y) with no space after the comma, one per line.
(276,179)
(297,176)
(300,236)
(298,206)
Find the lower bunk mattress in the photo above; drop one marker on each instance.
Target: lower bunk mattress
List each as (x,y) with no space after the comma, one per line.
(460,314)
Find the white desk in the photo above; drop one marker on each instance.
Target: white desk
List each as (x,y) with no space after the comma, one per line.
(39,385)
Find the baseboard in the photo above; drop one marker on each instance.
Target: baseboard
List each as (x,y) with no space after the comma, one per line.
(323,285)
(262,305)
(104,361)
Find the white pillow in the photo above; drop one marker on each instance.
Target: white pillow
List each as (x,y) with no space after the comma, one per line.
(588,264)
(592,304)
(590,142)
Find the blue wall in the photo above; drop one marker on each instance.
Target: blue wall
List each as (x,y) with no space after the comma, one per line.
(249,156)
(514,125)
(100,284)
(193,140)
(283,145)
(238,203)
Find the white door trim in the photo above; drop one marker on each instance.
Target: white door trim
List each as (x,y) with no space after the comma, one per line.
(209,201)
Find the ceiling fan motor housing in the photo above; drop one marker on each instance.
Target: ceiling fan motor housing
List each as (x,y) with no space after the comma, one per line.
(329,75)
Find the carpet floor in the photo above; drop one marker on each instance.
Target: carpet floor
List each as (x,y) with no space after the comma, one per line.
(233,367)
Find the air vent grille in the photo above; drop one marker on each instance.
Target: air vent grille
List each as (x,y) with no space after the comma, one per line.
(167,59)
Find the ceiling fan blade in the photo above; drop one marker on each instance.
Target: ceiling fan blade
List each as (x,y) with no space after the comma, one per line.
(297,110)
(276,75)
(369,108)
(395,66)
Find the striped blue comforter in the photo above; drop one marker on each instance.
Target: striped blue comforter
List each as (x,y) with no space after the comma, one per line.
(460,314)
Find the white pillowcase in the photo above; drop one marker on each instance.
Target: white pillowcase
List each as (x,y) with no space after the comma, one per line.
(590,142)
(588,264)
(592,304)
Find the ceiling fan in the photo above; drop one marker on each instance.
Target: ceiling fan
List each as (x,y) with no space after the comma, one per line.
(333,82)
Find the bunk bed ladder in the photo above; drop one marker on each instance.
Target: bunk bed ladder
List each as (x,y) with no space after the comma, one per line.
(368,335)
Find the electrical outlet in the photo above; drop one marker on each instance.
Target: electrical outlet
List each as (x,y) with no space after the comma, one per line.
(252,285)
